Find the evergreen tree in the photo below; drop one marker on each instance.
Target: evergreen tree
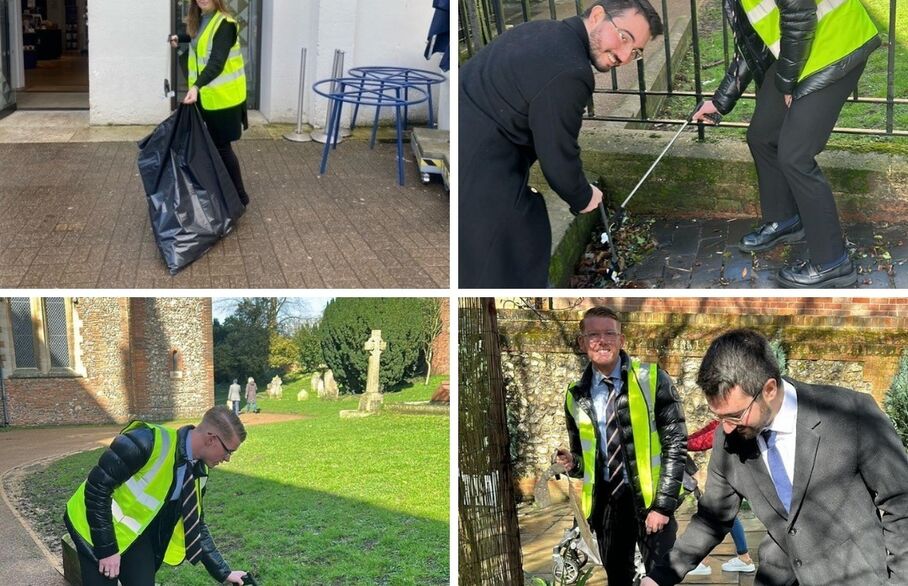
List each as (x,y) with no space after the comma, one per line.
(896,401)
(347,324)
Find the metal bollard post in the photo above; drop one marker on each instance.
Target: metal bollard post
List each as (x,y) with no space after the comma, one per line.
(299,135)
(337,70)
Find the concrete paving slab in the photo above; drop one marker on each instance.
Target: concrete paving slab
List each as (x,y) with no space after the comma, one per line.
(672,265)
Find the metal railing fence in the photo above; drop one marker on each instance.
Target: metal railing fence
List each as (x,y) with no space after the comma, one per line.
(483,20)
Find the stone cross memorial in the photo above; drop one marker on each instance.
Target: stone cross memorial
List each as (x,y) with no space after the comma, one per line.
(372,399)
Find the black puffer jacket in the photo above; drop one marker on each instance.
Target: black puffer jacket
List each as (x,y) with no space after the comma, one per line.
(672,431)
(124,458)
(753,58)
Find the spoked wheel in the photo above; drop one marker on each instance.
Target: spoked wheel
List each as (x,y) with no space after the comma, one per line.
(566,571)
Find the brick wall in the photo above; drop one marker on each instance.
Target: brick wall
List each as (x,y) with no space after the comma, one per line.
(124,346)
(441,346)
(852,342)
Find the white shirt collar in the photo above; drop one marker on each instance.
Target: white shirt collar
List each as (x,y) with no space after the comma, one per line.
(786,419)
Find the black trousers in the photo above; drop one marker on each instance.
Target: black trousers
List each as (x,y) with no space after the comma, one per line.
(620,531)
(505,240)
(784,143)
(233,168)
(137,566)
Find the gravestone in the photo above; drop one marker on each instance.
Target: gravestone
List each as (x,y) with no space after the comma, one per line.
(330,390)
(315,383)
(302,395)
(372,399)
(275,388)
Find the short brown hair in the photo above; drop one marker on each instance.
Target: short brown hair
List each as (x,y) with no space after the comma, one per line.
(224,420)
(599,311)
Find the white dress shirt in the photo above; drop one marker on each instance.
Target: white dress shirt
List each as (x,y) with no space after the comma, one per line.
(785,425)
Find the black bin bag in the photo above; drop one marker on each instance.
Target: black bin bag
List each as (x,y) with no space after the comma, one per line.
(192,201)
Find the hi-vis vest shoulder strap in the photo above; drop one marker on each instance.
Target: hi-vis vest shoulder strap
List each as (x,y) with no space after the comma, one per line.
(229,88)
(642,382)
(136,502)
(842,27)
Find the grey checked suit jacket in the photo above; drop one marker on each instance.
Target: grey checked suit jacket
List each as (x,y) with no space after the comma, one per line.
(849,511)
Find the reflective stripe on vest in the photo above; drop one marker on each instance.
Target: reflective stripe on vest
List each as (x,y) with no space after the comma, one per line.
(229,88)
(647,445)
(587,432)
(136,502)
(843,26)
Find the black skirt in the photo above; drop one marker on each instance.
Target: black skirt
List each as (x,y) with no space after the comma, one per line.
(225,125)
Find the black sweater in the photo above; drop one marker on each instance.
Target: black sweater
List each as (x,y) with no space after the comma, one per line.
(534,82)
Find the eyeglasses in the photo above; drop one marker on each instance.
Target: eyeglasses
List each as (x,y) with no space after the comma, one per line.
(601,336)
(626,38)
(223,445)
(739,418)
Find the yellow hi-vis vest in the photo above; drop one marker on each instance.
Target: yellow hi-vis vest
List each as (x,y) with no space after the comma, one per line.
(229,88)
(843,26)
(641,391)
(136,502)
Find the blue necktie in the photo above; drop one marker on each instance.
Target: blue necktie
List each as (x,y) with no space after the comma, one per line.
(777,469)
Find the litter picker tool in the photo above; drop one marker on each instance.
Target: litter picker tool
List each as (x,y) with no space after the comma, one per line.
(606,236)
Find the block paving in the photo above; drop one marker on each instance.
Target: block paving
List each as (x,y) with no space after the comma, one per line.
(692,254)
(74,215)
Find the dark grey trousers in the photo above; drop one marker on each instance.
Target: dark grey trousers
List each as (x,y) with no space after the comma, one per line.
(620,531)
(784,143)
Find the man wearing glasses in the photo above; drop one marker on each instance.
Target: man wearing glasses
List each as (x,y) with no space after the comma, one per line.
(142,503)
(522,99)
(628,443)
(821,466)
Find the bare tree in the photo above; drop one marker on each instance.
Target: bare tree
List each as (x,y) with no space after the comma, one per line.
(280,315)
(434,325)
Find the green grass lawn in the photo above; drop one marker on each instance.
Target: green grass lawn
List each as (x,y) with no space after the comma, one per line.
(854,115)
(316,501)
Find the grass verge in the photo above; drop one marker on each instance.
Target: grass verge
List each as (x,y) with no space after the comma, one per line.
(315,501)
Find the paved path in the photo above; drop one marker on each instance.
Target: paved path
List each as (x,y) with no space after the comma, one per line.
(73,215)
(22,561)
(704,254)
(542,529)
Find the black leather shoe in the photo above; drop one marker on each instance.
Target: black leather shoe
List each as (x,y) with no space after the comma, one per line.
(769,236)
(809,276)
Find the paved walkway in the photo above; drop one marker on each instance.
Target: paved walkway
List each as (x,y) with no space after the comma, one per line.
(542,529)
(704,254)
(73,215)
(23,562)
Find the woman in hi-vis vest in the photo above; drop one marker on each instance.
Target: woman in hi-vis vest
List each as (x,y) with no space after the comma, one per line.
(217,79)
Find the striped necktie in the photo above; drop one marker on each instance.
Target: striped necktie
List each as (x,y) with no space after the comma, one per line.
(191,526)
(613,443)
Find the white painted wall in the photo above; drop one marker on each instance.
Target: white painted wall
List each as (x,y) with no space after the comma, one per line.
(287,28)
(128,62)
